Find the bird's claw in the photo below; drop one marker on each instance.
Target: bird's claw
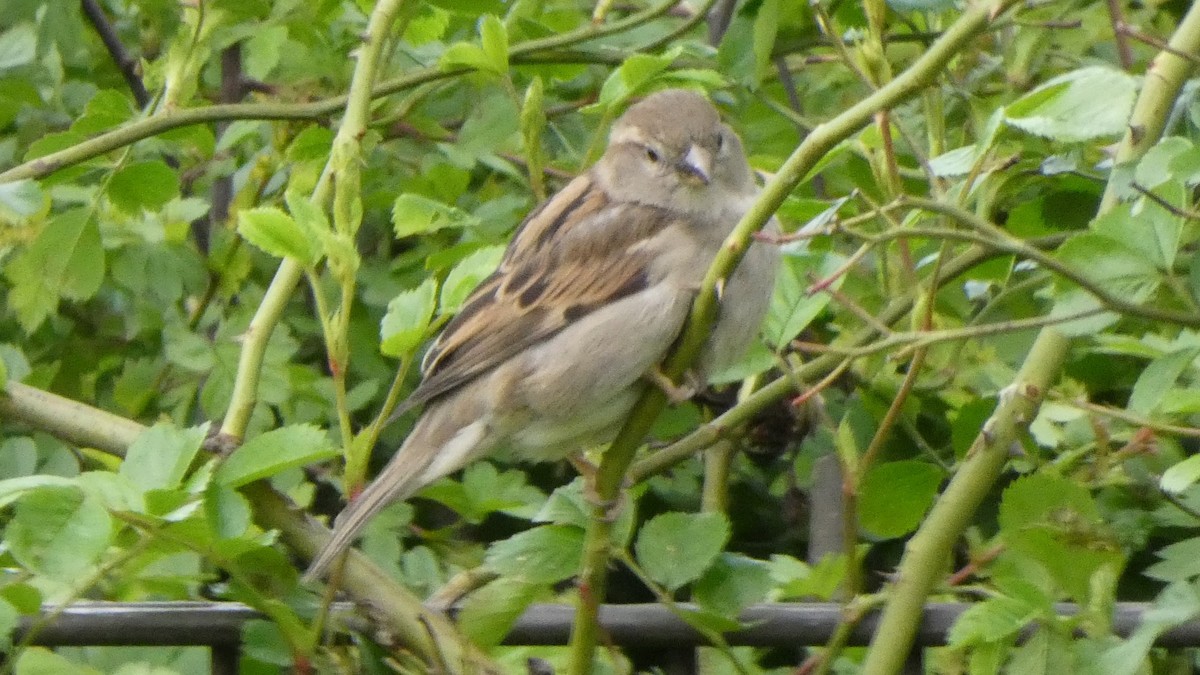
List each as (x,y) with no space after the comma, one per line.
(676,393)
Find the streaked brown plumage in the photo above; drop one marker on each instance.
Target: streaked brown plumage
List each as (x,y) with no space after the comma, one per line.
(551,351)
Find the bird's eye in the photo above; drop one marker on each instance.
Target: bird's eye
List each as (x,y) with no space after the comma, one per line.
(652,155)
(720,141)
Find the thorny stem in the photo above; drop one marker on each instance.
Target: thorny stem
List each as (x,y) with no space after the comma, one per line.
(617,458)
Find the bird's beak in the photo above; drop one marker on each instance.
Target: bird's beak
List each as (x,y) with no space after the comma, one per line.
(696,165)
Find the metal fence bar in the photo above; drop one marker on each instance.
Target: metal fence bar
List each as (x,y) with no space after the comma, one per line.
(225,659)
(642,625)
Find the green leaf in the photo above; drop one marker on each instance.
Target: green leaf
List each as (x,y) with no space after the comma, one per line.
(273,231)
(1088,103)
(42,661)
(264,641)
(1185,167)
(262,51)
(66,260)
(1155,167)
(107,109)
(18,458)
(51,143)
(144,668)
(416,214)
(187,350)
(16,93)
(1146,227)
(1056,523)
(407,319)
(1158,378)
(1177,604)
(238,131)
(565,506)
(954,163)
(736,54)
(568,505)
(143,185)
(464,55)
(491,56)
(427,26)
(491,126)
(704,620)
(13,489)
(1111,265)
(632,75)
(8,623)
(1179,561)
(58,532)
(545,554)
(19,201)
(1194,276)
(383,536)
(274,451)
(311,220)
(160,456)
(766,28)
(507,491)
(793,308)
(532,124)
(494,39)
(676,548)
(484,491)
(992,620)
(733,583)
(18,46)
(114,491)
(489,613)
(1181,476)
(23,597)
(1033,499)
(312,143)
(466,275)
(895,496)
(226,511)
(968,422)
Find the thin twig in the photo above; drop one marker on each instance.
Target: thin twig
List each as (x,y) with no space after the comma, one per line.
(1131,418)
(1186,214)
(719,19)
(1156,42)
(1117,16)
(116,49)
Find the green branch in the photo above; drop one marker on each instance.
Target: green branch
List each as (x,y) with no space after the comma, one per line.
(1160,88)
(428,634)
(530,51)
(926,553)
(929,548)
(771,393)
(923,72)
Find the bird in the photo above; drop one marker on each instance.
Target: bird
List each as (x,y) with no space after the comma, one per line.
(549,354)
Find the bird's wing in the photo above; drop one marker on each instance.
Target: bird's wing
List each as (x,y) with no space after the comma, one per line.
(577,253)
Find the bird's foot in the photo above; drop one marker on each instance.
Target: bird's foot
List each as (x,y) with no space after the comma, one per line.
(609,508)
(676,393)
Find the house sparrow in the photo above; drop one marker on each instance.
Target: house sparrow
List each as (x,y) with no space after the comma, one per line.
(550,353)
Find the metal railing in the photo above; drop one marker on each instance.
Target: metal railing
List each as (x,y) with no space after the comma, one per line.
(218,625)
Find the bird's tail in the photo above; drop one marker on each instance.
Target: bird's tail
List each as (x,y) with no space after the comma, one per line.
(427,454)
(349,524)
